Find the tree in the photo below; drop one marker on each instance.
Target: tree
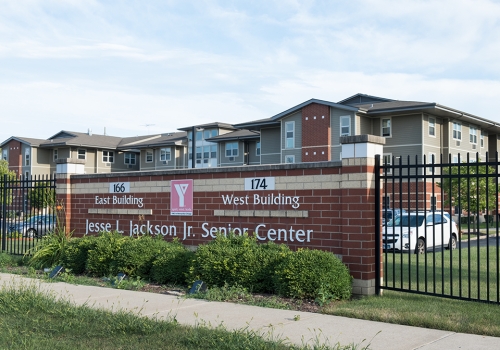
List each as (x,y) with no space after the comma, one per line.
(5,173)
(471,187)
(42,195)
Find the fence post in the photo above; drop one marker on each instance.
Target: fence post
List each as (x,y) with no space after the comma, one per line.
(4,212)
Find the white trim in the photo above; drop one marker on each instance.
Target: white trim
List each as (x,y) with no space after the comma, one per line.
(342,118)
(429,126)
(472,135)
(292,123)
(459,130)
(110,154)
(382,127)
(389,157)
(149,152)
(84,153)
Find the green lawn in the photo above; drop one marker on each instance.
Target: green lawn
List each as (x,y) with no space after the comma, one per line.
(459,273)
(31,320)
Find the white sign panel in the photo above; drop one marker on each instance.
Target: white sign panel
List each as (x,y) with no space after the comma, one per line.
(119,187)
(259,183)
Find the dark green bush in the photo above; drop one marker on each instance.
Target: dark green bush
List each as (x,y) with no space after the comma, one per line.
(313,274)
(105,251)
(236,260)
(171,265)
(136,255)
(76,253)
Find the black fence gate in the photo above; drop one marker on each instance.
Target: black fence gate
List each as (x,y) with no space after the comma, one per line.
(27,211)
(438,224)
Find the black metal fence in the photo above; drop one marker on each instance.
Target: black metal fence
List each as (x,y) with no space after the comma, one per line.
(439,227)
(27,211)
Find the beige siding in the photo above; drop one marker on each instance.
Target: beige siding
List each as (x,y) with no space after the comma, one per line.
(363,125)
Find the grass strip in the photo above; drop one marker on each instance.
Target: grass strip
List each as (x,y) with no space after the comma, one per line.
(30,319)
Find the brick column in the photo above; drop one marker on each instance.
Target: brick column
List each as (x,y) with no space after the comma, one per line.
(64,169)
(358,209)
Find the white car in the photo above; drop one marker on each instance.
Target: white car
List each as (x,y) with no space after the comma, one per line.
(419,231)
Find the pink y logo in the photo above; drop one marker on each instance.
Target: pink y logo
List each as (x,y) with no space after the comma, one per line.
(181,197)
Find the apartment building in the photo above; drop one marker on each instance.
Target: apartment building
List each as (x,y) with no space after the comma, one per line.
(307,132)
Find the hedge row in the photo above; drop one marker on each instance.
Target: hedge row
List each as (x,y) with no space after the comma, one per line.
(233,260)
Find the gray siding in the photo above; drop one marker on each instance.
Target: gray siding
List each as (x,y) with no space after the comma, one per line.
(432,144)
(464,146)
(270,140)
(253,158)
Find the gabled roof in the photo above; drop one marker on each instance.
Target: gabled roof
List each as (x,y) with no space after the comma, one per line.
(26,140)
(236,135)
(274,120)
(217,125)
(363,99)
(71,138)
(168,139)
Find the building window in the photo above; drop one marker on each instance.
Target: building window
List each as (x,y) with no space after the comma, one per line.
(231,149)
(108,156)
(213,151)
(457,131)
(386,127)
(206,153)
(214,132)
(190,135)
(473,135)
(257,148)
(387,161)
(129,158)
(431,159)
(165,155)
(26,174)
(386,202)
(27,158)
(4,154)
(290,159)
(198,154)
(482,139)
(55,154)
(289,134)
(433,203)
(345,125)
(455,159)
(199,135)
(190,153)
(432,126)
(149,156)
(82,154)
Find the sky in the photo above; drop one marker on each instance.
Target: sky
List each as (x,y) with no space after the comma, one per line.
(143,67)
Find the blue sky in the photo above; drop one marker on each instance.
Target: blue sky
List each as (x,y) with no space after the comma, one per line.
(139,67)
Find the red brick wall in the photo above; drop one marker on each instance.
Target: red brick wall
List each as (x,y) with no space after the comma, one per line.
(316,135)
(15,156)
(338,220)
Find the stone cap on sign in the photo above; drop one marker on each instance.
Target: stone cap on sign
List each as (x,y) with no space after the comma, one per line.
(362,146)
(362,139)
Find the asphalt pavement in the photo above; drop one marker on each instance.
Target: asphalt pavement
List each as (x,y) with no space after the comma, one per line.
(294,326)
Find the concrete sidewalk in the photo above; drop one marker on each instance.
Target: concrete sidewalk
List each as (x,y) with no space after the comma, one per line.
(310,328)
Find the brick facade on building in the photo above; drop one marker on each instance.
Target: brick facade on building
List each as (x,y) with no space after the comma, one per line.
(316,133)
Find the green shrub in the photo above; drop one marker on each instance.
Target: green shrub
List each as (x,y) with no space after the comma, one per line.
(236,260)
(102,255)
(50,251)
(136,254)
(6,260)
(171,265)
(313,274)
(76,253)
